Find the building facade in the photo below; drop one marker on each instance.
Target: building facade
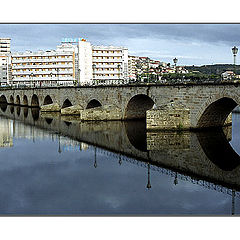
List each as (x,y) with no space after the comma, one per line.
(43,68)
(132,67)
(5,61)
(5,45)
(110,64)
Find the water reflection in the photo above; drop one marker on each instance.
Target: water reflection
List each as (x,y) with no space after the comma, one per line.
(35,113)
(25,111)
(49,120)
(203,158)
(137,134)
(218,149)
(18,110)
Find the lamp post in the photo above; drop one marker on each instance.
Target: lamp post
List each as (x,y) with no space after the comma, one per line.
(58,74)
(79,72)
(234,51)
(148,70)
(94,68)
(51,74)
(32,79)
(175,60)
(119,67)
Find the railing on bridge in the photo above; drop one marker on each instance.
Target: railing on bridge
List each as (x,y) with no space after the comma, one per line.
(118,82)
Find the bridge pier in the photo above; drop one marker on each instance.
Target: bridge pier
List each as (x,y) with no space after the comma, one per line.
(54,107)
(168,117)
(103,113)
(72,110)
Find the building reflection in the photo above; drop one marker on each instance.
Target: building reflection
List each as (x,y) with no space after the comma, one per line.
(6,130)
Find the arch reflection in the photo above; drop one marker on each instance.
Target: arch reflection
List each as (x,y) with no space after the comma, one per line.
(218,149)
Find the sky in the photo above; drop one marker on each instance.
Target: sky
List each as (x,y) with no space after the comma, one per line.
(192,44)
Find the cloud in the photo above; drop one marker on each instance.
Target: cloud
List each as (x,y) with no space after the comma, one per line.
(194,43)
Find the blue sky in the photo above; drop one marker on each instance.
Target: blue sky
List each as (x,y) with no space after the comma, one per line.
(196,44)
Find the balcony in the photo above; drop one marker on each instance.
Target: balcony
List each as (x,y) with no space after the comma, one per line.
(42,72)
(43,66)
(107,78)
(107,66)
(107,54)
(43,79)
(107,60)
(42,60)
(107,72)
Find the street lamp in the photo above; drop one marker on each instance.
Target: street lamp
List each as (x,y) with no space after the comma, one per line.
(234,51)
(148,70)
(57,76)
(175,60)
(32,79)
(94,68)
(118,66)
(79,72)
(51,74)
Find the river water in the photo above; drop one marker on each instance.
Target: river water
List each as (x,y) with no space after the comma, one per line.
(53,165)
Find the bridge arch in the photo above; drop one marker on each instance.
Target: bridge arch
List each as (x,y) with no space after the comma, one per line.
(3,103)
(11,99)
(216,113)
(35,101)
(93,103)
(25,100)
(47,100)
(66,103)
(3,99)
(18,100)
(137,106)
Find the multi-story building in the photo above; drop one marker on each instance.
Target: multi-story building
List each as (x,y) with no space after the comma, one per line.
(132,67)
(5,45)
(110,64)
(4,69)
(73,62)
(5,63)
(43,68)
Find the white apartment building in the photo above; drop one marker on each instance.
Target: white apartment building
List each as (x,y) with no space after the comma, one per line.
(101,64)
(5,63)
(5,45)
(43,68)
(4,69)
(72,63)
(132,66)
(110,64)
(83,59)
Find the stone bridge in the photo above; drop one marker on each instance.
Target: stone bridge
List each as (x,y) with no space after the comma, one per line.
(183,106)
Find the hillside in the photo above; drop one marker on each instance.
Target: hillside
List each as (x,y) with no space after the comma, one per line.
(214,69)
